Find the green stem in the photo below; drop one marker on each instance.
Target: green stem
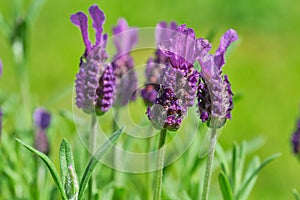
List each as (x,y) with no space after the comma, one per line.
(209,164)
(147,167)
(160,164)
(115,128)
(93,142)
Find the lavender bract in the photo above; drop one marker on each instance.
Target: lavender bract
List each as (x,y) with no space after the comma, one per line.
(125,38)
(93,66)
(179,77)
(296,139)
(41,120)
(214,91)
(154,66)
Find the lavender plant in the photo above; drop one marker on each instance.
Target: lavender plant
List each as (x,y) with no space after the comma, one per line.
(173,84)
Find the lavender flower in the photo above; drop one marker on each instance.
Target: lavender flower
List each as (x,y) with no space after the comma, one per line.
(93,68)
(125,38)
(42,120)
(179,78)
(154,66)
(214,90)
(296,139)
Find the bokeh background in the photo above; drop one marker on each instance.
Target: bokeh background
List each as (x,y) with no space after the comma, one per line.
(264,67)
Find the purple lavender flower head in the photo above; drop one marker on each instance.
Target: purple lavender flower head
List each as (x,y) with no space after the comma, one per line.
(296,139)
(92,65)
(214,91)
(125,38)
(42,120)
(155,65)
(179,78)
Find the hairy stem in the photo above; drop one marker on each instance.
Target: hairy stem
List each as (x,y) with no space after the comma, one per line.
(160,164)
(93,142)
(209,164)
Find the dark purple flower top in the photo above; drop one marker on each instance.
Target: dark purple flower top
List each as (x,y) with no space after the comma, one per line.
(214,90)
(125,38)
(154,67)
(179,76)
(41,118)
(166,112)
(296,139)
(92,63)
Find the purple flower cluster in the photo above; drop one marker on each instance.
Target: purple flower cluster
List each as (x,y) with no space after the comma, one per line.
(166,111)
(41,120)
(94,72)
(125,38)
(155,65)
(179,77)
(214,91)
(296,139)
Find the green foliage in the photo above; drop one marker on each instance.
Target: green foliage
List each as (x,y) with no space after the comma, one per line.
(67,184)
(95,159)
(50,166)
(235,183)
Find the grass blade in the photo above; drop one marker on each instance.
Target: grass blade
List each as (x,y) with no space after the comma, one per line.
(95,159)
(296,194)
(50,166)
(225,187)
(255,172)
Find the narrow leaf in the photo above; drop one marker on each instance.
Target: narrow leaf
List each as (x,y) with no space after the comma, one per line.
(95,159)
(4,28)
(256,171)
(65,159)
(225,187)
(50,166)
(296,194)
(254,164)
(34,10)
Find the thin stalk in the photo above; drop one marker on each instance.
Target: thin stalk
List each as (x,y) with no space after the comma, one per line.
(160,164)
(147,167)
(209,164)
(115,128)
(93,142)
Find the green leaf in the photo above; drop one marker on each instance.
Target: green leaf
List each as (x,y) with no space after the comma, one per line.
(50,166)
(95,159)
(235,154)
(4,28)
(296,194)
(65,159)
(67,169)
(254,164)
(225,187)
(34,10)
(255,172)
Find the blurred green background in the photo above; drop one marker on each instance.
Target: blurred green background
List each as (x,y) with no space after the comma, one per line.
(264,67)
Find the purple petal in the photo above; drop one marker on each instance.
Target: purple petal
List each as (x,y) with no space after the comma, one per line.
(98,21)
(124,37)
(163,31)
(80,20)
(229,37)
